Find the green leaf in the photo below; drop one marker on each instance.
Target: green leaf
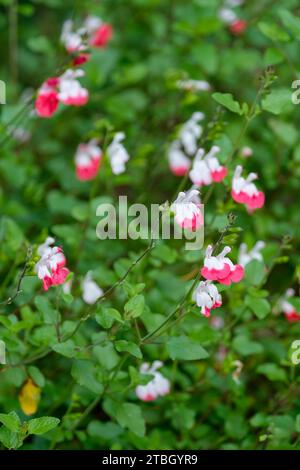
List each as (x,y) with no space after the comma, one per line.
(278,101)
(85,374)
(235,426)
(106,355)
(286,131)
(291,22)
(50,315)
(42,425)
(107,316)
(295,301)
(245,347)
(9,439)
(255,272)
(130,347)
(273,32)
(66,349)
(135,306)
(260,307)
(182,347)
(36,376)
(272,371)
(227,100)
(297,423)
(130,416)
(11,421)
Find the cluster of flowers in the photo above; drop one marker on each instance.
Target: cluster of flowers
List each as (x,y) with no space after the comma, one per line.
(93,33)
(88,157)
(66,88)
(206,168)
(220,269)
(227,14)
(51,269)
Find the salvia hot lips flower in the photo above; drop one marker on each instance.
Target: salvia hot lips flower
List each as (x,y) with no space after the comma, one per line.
(207,297)
(235,24)
(246,256)
(187,210)
(190,133)
(47,98)
(65,89)
(159,386)
(91,291)
(72,40)
(117,154)
(71,93)
(206,168)
(288,309)
(220,268)
(93,33)
(244,191)
(87,160)
(51,266)
(178,161)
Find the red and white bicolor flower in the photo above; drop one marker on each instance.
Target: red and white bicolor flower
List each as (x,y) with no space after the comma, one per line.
(65,89)
(72,40)
(246,256)
(93,33)
(51,266)
(288,309)
(87,160)
(190,133)
(220,268)
(244,191)
(47,98)
(117,154)
(99,33)
(178,161)
(71,92)
(159,386)
(235,24)
(187,209)
(207,297)
(206,168)
(91,292)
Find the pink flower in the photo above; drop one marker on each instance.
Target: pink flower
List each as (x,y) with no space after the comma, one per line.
(246,152)
(238,27)
(245,192)
(220,268)
(288,309)
(51,266)
(158,386)
(206,168)
(101,36)
(178,161)
(47,98)
(87,160)
(207,297)
(187,210)
(81,59)
(70,90)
